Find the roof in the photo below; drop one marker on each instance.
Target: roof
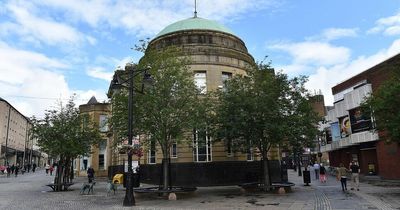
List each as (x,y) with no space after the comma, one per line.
(92,100)
(194,23)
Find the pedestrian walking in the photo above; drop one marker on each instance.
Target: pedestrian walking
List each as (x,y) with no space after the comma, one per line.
(33,167)
(2,169)
(51,169)
(316,169)
(29,167)
(8,170)
(322,173)
(342,176)
(90,174)
(12,168)
(47,167)
(16,170)
(355,175)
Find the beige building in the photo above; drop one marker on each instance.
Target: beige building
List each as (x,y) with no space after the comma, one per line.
(101,155)
(17,145)
(217,54)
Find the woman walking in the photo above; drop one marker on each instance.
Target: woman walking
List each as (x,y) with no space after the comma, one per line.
(342,176)
(322,173)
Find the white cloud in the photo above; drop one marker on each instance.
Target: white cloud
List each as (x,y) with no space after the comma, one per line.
(389,26)
(100,73)
(336,33)
(43,29)
(392,30)
(29,82)
(144,18)
(314,53)
(327,77)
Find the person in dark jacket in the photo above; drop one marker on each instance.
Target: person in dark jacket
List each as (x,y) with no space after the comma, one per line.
(90,174)
(322,173)
(33,167)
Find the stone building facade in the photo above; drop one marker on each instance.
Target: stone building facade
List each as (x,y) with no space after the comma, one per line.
(101,155)
(17,146)
(216,54)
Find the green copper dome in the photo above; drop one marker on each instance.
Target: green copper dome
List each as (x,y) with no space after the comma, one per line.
(193,24)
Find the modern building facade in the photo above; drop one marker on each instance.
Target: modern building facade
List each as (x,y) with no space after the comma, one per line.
(17,145)
(352,135)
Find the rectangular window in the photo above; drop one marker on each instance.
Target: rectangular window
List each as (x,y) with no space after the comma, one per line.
(101,162)
(174,150)
(103,123)
(250,154)
(152,153)
(224,77)
(202,149)
(229,150)
(200,80)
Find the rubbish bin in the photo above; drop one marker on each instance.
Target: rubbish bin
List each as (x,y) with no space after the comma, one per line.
(118,179)
(371,169)
(136,180)
(306,178)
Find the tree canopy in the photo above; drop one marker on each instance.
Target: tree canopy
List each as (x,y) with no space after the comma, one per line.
(384,106)
(64,134)
(167,110)
(264,109)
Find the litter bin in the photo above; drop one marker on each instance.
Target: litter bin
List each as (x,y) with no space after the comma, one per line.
(118,179)
(306,178)
(371,169)
(136,180)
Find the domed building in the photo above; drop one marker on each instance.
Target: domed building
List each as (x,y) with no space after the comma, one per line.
(216,54)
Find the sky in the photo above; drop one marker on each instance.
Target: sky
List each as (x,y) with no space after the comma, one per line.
(52,49)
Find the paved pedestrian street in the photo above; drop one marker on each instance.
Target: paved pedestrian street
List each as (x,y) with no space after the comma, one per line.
(28,191)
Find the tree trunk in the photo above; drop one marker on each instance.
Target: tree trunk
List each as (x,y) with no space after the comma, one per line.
(299,165)
(58,179)
(165,166)
(266,174)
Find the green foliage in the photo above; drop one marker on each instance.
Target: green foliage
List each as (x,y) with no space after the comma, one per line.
(65,133)
(384,105)
(265,109)
(262,110)
(166,110)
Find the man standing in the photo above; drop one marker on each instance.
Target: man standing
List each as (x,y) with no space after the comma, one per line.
(355,175)
(316,169)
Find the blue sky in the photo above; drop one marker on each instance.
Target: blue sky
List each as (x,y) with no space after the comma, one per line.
(50,49)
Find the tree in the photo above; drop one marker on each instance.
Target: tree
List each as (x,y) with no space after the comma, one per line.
(167,110)
(384,106)
(261,110)
(302,120)
(65,135)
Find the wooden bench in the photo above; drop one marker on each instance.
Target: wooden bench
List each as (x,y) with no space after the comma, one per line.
(64,185)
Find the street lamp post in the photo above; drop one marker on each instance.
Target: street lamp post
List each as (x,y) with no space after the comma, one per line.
(129,199)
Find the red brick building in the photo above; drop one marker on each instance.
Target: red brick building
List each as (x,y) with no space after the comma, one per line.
(352,133)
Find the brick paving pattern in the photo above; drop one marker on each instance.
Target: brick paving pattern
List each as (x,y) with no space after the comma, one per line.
(28,191)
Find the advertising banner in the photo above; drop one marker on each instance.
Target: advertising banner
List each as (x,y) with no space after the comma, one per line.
(345,126)
(335,131)
(359,120)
